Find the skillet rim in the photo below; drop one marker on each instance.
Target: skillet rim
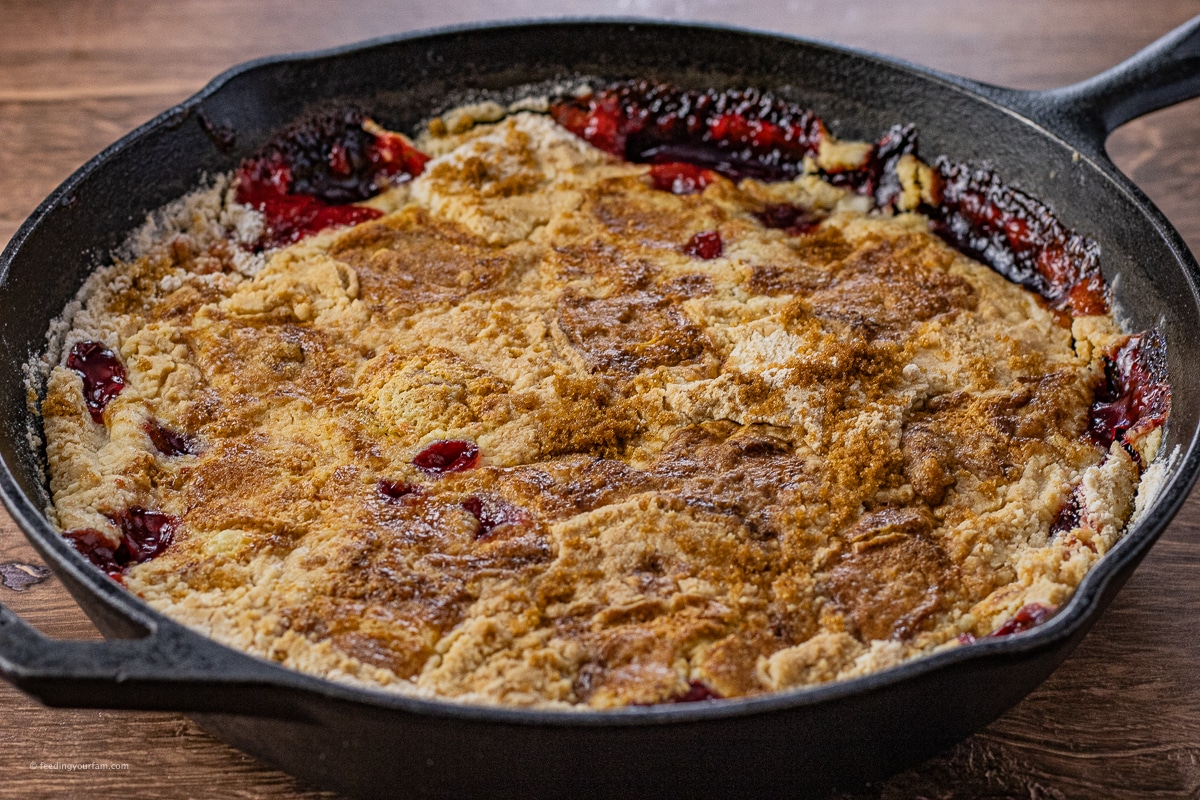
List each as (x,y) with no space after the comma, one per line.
(1085,605)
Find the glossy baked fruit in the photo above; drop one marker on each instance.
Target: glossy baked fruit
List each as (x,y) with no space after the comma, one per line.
(737,133)
(447,456)
(140,536)
(1019,237)
(102,373)
(306,178)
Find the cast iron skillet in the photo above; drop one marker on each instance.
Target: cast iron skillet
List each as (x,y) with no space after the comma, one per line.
(367,743)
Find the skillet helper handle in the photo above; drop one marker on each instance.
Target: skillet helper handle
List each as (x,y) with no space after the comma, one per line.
(1162,74)
(162,671)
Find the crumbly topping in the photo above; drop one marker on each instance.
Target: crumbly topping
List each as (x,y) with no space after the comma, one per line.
(808,457)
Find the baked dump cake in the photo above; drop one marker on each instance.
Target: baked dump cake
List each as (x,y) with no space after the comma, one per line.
(631,396)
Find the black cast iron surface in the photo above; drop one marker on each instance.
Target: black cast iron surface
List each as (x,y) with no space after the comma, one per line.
(366,743)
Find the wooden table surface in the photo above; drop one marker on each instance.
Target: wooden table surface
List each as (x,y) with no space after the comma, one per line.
(1121,718)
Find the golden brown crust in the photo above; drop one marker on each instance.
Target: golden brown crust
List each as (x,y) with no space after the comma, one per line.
(807,458)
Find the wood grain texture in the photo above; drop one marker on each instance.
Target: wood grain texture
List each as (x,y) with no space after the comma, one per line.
(1121,718)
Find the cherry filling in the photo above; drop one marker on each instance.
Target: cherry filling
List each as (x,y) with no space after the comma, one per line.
(736,133)
(93,544)
(397,490)
(302,180)
(144,535)
(447,455)
(492,514)
(1029,616)
(1069,516)
(290,218)
(796,220)
(169,442)
(706,244)
(337,158)
(1134,398)
(696,692)
(102,372)
(876,177)
(680,178)
(1019,237)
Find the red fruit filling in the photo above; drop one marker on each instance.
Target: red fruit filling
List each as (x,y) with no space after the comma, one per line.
(1029,616)
(695,693)
(290,218)
(102,372)
(1019,237)
(706,245)
(169,442)
(736,133)
(396,490)
(1069,516)
(447,455)
(93,544)
(302,180)
(679,178)
(1134,398)
(796,220)
(876,176)
(144,535)
(493,513)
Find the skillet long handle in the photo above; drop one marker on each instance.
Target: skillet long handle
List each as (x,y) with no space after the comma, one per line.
(162,671)
(1162,74)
